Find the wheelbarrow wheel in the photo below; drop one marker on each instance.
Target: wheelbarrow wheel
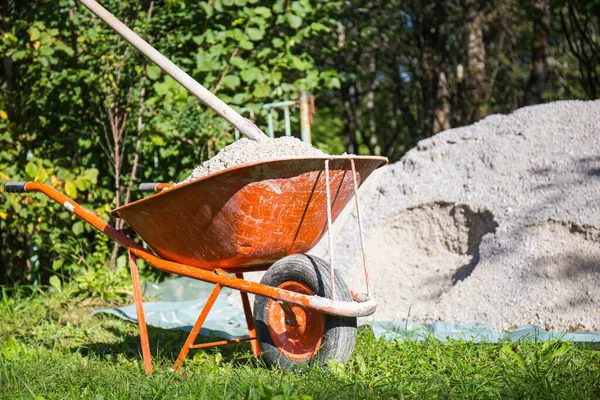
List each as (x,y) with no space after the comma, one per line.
(291,335)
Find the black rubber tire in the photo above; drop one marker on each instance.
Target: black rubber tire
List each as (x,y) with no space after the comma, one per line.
(339,332)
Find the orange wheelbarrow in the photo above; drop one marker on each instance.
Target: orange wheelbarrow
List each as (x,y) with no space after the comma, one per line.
(260,216)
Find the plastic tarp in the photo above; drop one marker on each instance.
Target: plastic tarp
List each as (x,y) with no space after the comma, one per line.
(177,303)
(474,332)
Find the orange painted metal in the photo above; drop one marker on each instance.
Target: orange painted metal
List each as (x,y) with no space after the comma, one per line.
(327,306)
(196,329)
(222,342)
(237,220)
(83,213)
(298,336)
(139,308)
(160,186)
(253,214)
(249,319)
(349,309)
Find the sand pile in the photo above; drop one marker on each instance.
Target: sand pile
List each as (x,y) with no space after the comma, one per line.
(246,151)
(497,222)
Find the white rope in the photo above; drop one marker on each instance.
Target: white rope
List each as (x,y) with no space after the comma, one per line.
(360,229)
(329,229)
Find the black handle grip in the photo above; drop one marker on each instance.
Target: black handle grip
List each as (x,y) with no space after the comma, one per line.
(15,187)
(147,187)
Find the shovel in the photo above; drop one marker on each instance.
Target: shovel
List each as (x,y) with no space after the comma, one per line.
(244,125)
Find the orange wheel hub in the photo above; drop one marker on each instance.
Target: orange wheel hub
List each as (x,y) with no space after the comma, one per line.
(297,332)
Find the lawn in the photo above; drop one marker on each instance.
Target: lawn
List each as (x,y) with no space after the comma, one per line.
(51,347)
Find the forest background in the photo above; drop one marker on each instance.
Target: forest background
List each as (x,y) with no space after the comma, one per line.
(83,111)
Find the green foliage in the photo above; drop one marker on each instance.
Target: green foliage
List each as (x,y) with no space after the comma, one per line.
(82,110)
(75,98)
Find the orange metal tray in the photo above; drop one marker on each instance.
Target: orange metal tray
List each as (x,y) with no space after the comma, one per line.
(248,215)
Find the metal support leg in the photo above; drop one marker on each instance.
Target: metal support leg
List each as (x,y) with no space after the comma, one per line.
(137,297)
(249,320)
(196,329)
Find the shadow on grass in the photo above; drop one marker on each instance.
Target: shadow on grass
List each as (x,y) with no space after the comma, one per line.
(165,346)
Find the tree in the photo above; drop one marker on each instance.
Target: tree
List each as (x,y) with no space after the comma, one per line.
(82,110)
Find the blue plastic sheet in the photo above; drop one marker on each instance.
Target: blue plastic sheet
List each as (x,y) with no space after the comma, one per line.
(178,302)
(177,305)
(474,332)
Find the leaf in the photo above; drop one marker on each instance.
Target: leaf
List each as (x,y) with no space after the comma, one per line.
(255,34)
(296,6)
(263,11)
(334,83)
(153,72)
(294,20)
(3,215)
(20,54)
(81,183)
(299,64)
(77,228)
(508,351)
(122,261)
(262,90)
(231,81)
(246,45)
(91,174)
(57,264)
(318,27)
(240,98)
(563,349)
(278,7)
(34,34)
(41,175)
(55,283)
(92,33)
(277,42)
(251,74)
(207,8)
(238,62)
(70,189)
(31,170)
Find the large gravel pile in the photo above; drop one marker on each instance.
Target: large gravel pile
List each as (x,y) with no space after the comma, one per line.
(497,222)
(246,151)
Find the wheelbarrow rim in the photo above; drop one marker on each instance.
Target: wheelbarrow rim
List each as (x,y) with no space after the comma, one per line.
(383,161)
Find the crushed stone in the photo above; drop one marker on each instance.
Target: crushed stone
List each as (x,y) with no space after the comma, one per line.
(245,151)
(497,222)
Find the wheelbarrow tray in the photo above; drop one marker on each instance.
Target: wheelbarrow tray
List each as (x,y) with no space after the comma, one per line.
(247,215)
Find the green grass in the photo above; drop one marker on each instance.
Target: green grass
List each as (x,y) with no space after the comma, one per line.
(50,347)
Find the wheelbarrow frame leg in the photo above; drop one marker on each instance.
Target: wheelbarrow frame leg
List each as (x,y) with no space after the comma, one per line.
(249,320)
(139,308)
(189,343)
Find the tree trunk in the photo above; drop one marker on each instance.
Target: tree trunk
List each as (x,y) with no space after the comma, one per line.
(539,60)
(441,121)
(373,140)
(475,78)
(349,121)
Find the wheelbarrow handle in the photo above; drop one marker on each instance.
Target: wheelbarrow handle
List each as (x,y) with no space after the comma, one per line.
(153,186)
(15,187)
(74,207)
